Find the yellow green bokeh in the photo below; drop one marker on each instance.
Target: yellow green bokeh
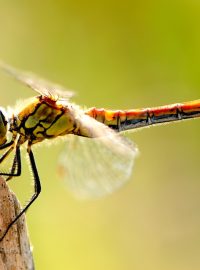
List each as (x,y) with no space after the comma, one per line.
(117,55)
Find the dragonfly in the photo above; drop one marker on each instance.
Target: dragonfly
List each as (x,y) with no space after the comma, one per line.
(98,158)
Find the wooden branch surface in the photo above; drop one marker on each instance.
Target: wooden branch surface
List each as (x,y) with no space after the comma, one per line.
(15,249)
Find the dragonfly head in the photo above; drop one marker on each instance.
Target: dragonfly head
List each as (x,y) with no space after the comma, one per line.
(3,127)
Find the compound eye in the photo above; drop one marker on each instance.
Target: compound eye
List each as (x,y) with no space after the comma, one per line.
(3,128)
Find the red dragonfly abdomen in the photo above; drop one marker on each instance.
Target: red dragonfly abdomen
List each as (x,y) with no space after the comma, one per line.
(129,119)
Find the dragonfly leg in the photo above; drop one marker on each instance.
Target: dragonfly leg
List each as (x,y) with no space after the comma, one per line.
(16,166)
(3,146)
(11,144)
(37,189)
(16,161)
(6,145)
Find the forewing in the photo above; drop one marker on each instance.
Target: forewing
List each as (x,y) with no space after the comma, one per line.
(94,167)
(36,83)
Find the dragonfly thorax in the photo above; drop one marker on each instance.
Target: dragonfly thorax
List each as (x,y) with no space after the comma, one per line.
(43,118)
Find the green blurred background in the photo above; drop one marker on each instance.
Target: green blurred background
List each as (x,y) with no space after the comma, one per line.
(115,54)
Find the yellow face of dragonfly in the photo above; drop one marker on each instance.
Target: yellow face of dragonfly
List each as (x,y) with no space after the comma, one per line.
(3,128)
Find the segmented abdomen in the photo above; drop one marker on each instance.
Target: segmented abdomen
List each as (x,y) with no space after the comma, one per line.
(130,119)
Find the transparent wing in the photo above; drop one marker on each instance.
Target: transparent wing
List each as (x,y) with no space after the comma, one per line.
(36,83)
(94,167)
